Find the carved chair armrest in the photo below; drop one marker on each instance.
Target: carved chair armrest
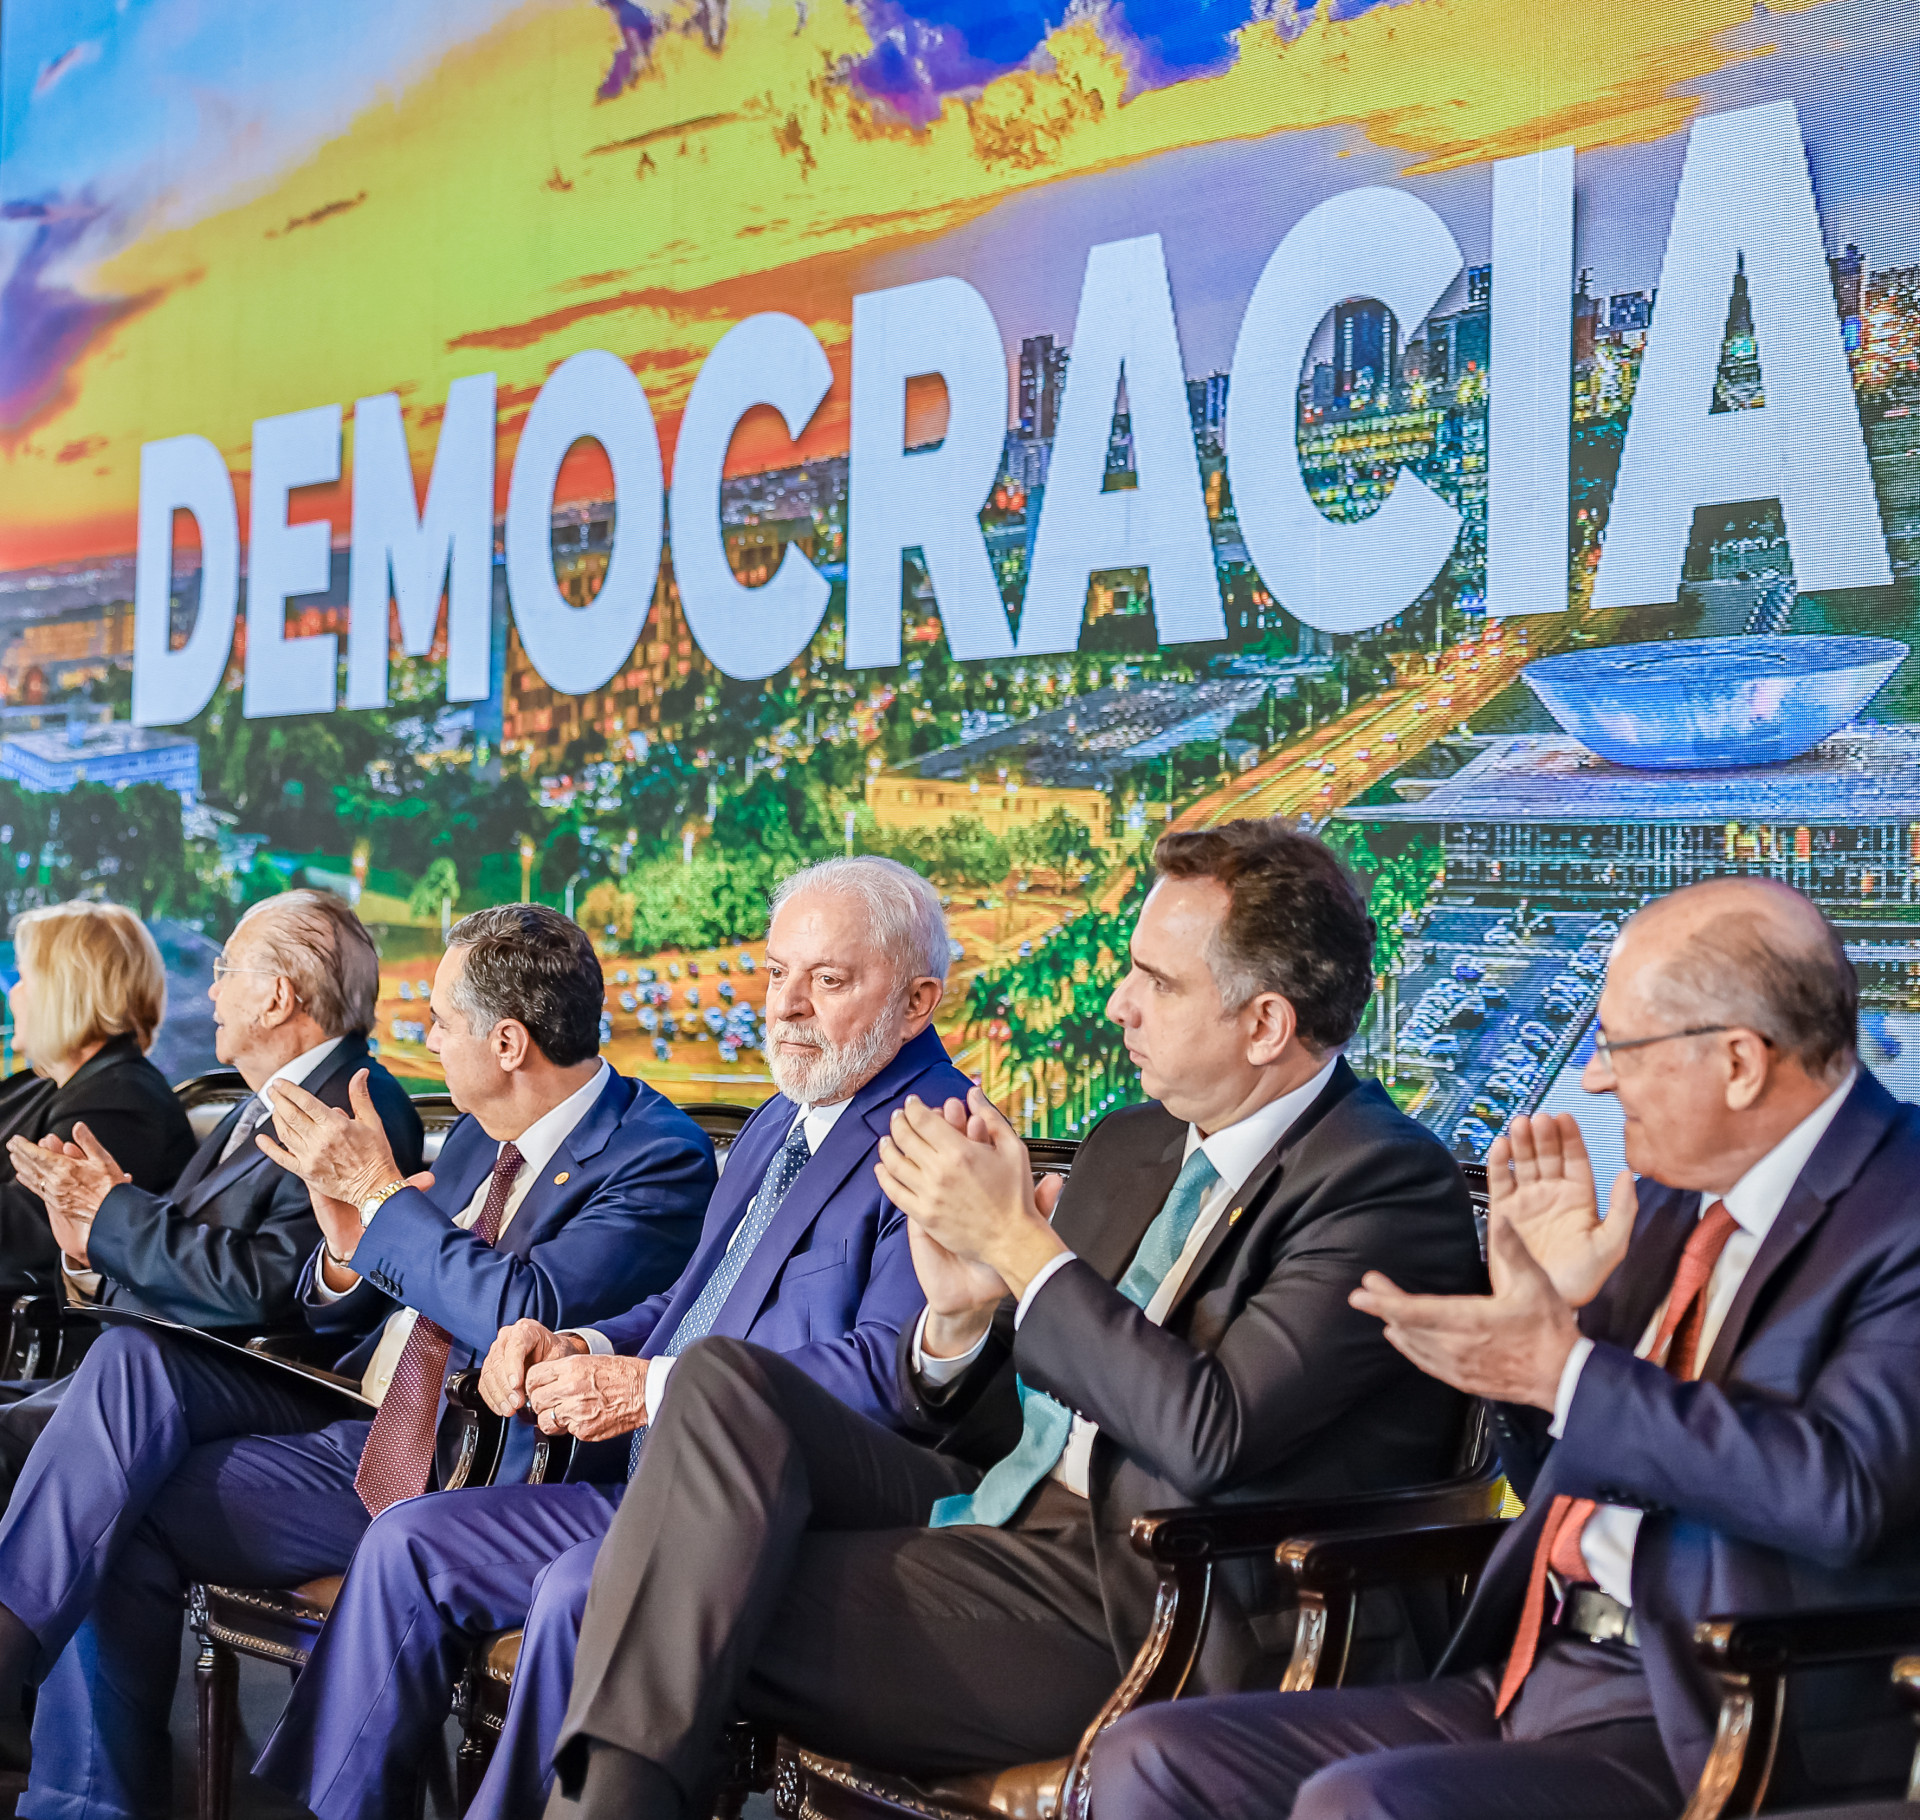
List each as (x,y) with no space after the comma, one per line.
(1754,1658)
(1774,1645)
(1179,1537)
(33,1336)
(1330,1573)
(1186,1544)
(483,1440)
(1353,1560)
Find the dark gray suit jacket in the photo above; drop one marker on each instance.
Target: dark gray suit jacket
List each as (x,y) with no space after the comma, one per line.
(225,1248)
(1262,1383)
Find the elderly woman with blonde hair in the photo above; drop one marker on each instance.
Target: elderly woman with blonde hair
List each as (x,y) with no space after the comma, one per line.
(88,1003)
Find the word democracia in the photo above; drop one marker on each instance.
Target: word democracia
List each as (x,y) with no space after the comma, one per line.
(1744,194)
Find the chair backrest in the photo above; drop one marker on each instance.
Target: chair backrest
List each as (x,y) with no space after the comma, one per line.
(438,1116)
(207,1098)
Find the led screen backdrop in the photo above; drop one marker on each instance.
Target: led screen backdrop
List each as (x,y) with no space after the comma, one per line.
(616,453)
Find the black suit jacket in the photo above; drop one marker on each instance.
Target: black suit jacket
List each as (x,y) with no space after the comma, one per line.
(1262,1383)
(226,1247)
(126,1103)
(1787,1477)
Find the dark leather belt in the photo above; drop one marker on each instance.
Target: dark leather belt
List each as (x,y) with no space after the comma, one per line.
(1599,1617)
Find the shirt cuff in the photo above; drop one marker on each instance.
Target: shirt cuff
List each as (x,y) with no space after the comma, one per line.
(658,1369)
(935,1374)
(592,1339)
(86,1283)
(1569,1383)
(1041,1278)
(323,1291)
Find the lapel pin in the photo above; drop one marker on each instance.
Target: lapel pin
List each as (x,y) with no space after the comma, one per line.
(560,1180)
(1235,1214)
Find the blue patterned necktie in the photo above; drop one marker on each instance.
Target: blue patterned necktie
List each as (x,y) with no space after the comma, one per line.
(698,1321)
(1045,1424)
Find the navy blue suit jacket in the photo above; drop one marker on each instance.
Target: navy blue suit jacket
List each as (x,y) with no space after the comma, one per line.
(1787,1477)
(614,1215)
(831,1284)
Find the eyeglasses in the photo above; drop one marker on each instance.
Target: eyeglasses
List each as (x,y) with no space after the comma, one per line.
(1605,1048)
(222,967)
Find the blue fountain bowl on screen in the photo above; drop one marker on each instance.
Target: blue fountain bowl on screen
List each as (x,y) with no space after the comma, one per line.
(1696,703)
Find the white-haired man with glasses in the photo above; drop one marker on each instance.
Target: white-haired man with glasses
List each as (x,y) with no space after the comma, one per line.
(293,999)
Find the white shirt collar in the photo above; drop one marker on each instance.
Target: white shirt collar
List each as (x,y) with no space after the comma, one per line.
(1756,1199)
(819,1120)
(552,1128)
(298,1069)
(1235,1151)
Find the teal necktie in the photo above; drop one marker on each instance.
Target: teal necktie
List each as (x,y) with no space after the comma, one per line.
(1044,1423)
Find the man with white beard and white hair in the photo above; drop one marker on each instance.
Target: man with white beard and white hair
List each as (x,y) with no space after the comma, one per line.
(801,1253)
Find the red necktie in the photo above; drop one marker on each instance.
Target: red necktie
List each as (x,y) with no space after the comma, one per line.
(1674,1347)
(398,1455)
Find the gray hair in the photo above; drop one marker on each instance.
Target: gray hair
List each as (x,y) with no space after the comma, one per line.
(902,909)
(314,940)
(1786,976)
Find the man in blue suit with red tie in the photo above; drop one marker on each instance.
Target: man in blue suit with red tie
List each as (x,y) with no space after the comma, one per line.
(568,1191)
(801,1254)
(1710,1399)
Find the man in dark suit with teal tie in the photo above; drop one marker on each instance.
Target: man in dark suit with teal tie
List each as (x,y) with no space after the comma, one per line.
(1178,1334)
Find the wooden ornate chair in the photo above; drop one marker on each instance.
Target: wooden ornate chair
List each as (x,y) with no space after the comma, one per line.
(1185,1546)
(280,1624)
(482,1700)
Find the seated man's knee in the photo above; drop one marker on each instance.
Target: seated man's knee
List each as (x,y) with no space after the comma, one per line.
(399,1542)
(1382,1785)
(1135,1769)
(560,1597)
(714,1371)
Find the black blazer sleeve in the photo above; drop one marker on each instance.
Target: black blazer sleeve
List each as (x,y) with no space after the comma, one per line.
(1295,1355)
(126,1103)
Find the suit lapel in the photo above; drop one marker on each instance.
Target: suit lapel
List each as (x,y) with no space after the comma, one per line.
(746,1168)
(1265,1176)
(1621,1313)
(1856,1131)
(1106,1233)
(222,1176)
(578,1148)
(337,1068)
(207,1155)
(846,1148)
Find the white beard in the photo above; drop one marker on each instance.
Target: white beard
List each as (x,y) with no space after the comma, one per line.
(835,1070)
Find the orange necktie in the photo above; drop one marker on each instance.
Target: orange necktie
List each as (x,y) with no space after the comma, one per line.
(1674,1347)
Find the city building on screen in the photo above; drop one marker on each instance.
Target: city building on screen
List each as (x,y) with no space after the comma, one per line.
(52,760)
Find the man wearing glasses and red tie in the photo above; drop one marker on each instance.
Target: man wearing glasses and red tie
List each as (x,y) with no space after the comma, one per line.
(1709,1398)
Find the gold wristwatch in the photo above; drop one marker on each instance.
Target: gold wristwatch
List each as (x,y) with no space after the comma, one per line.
(372,1204)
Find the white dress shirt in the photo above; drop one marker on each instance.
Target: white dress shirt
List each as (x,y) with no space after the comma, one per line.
(1235,1151)
(1607,1541)
(85,1284)
(537,1145)
(818,1120)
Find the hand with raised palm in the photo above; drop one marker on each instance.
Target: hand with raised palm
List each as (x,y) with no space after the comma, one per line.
(1540,1180)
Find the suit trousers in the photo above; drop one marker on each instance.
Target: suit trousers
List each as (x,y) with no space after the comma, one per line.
(771,1559)
(432,1577)
(1579,1744)
(163,1464)
(26,1407)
